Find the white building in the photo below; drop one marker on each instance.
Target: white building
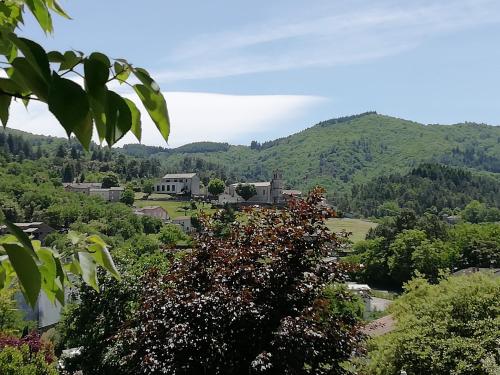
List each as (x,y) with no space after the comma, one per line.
(179,183)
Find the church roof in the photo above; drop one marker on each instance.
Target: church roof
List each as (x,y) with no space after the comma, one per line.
(179,175)
(256,184)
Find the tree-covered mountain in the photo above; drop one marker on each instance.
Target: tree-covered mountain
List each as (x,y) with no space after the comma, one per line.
(341,152)
(336,154)
(427,186)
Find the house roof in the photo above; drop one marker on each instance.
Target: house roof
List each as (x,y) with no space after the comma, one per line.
(179,175)
(471,270)
(256,184)
(292,192)
(180,218)
(380,326)
(82,185)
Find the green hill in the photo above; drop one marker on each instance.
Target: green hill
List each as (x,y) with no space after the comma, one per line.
(341,152)
(425,187)
(336,154)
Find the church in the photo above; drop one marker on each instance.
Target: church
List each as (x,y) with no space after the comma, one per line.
(269,192)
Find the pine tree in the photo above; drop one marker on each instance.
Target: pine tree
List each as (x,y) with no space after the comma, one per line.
(68,173)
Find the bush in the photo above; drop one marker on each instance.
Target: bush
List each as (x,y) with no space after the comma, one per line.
(449,328)
(253,302)
(26,356)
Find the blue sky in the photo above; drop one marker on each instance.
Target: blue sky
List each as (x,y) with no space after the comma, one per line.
(236,71)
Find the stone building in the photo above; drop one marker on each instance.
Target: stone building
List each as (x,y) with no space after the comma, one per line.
(179,184)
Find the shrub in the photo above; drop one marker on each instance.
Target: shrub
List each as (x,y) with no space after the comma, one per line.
(252,302)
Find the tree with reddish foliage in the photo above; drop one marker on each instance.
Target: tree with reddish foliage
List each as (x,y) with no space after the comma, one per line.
(251,302)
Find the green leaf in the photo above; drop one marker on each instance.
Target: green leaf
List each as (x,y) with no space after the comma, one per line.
(41,13)
(96,69)
(118,67)
(103,258)
(143,76)
(48,271)
(55,56)
(9,86)
(35,55)
(20,236)
(70,60)
(155,104)
(136,119)
(54,5)
(122,72)
(25,75)
(89,269)
(69,103)
(118,118)
(4,108)
(27,271)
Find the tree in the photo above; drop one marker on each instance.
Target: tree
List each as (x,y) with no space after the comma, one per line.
(246,191)
(216,187)
(30,75)
(449,328)
(110,180)
(128,197)
(252,302)
(11,319)
(68,173)
(61,151)
(474,212)
(151,225)
(147,187)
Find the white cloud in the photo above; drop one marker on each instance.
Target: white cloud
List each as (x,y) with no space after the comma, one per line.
(332,37)
(194,116)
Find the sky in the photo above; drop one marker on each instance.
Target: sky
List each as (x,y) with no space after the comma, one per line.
(237,71)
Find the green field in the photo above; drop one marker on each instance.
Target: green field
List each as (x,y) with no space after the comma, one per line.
(175,208)
(358,227)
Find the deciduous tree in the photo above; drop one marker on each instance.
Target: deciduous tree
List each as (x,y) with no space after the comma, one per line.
(246,191)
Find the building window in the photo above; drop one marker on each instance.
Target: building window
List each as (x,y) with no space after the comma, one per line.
(168,187)
(162,187)
(173,187)
(157,187)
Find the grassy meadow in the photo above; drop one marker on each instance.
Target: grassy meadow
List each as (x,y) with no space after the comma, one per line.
(358,227)
(175,208)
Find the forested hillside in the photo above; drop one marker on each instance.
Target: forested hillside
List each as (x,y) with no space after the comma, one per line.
(339,153)
(425,187)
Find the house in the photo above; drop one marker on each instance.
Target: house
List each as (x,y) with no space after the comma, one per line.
(36,230)
(184,222)
(269,192)
(112,194)
(45,312)
(363,290)
(153,211)
(179,183)
(81,187)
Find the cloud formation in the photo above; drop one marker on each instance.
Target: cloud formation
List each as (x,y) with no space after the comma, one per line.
(194,116)
(361,32)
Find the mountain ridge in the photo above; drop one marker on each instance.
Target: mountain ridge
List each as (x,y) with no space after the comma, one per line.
(336,153)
